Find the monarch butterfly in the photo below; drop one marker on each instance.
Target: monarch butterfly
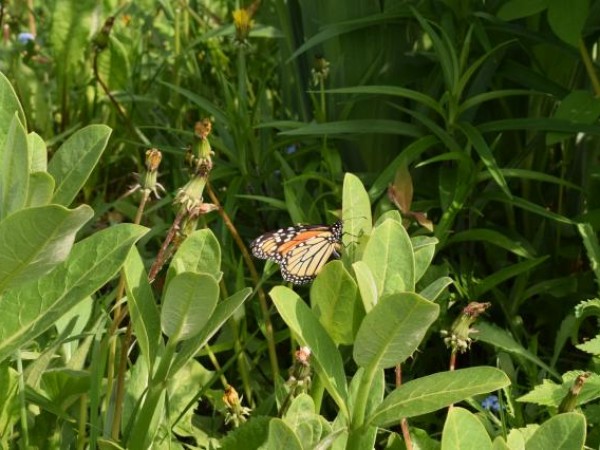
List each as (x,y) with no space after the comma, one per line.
(301,251)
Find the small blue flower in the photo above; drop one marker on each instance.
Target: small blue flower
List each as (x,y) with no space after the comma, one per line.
(490,403)
(24,38)
(291,149)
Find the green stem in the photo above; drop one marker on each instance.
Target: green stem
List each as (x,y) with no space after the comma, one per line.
(139,434)
(362,397)
(25,430)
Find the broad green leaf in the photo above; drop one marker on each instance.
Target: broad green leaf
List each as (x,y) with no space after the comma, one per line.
(113,65)
(424,249)
(366,285)
(497,337)
(463,431)
(71,24)
(9,105)
(513,245)
(517,9)
(357,126)
(306,327)
(392,214)
(281,436)
(577,106)
(34,240)
(356,212)
(567,19)
(38,154)
(40,189)
(334,299)
(189,301)
(562,432)
(142,307)
(221,314)
(199,253)
(500,444)
(14,169)
(393,329)
(29,311)
(433,392)
(250,436)
(486,155)
(303,420)
(74,161)
(433,290)
(389,255)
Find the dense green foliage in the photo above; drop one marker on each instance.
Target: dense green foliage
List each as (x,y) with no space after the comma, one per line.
(458,141)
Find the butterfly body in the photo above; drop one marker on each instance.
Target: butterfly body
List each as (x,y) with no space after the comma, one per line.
(301,250)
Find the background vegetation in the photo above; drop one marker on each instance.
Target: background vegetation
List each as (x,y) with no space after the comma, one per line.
(483,115)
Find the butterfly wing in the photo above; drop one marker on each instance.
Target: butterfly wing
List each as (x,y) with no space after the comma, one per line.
(303,262)
(301,250)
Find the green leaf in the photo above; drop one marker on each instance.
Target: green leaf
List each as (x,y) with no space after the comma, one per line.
(113,65)
(578,107)
(591,346)
(499,338)
(249,436)
(40,189)
(561,432)
(9,105)
(486,155)
(189,301)
(493,237)
(500,444)
(14,169)
(393,329)
(221,314)
(395,91)
(433,290)
(389,255)
(366,285)
(567,19)
(74,161)
(517,9)
(32,309)
(142,307)
(592,247)
(35,240)
(306,327)
(357,126)
(71,23)
(406,157)
(424,249)
(282,436)
(356,212)
(551,394)
(38,154)
(463,430)
(199,253)
(334,299)
(433,392)
(504,274)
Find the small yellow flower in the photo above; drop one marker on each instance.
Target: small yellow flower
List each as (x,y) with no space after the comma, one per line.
(242,20)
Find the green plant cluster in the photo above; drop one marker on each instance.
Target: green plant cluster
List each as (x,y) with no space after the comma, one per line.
(458,141)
